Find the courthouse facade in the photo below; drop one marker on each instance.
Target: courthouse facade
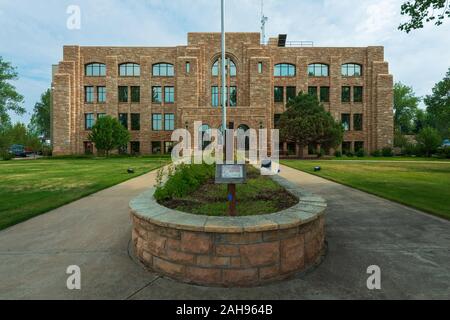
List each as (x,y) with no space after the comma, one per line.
(154,90)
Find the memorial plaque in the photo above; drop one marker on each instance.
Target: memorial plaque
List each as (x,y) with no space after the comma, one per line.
(231,173)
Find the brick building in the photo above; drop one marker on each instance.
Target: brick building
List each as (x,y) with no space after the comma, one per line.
(154,90)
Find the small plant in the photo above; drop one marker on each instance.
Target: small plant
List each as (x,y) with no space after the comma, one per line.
(159,177)
(349,154)
(6,156)
(338,154)
(444,152)
(376,153)
(360,153)
(321,153)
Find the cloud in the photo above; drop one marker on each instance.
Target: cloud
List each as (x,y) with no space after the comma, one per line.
(32,32)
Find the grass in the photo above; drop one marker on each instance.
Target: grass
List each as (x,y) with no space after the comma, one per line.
(344,158)
(32,187)
(425,186)
(260,195)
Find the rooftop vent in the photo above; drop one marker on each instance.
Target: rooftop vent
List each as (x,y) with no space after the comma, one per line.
(282,40)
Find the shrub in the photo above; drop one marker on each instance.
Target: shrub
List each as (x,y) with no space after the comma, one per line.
(338,154)
(429,140)
(376,153)
(6,156)
(360,153)
(321,153)
(387,152)
(349,154)
(411,149)
(183,180)
(444,152)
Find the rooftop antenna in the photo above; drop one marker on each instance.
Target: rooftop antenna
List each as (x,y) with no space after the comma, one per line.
(264,20)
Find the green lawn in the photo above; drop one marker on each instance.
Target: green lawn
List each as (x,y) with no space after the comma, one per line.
(31,187)
(425,186)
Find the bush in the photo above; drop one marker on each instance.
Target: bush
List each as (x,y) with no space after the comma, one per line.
(321,153)
(6,156)
(349,154)
(387,152)
(411,150)
(444,152)
(429,140)
(360,153)
(338,154)
(376,153)
(183,180)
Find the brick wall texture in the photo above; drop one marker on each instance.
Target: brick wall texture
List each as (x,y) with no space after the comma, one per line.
(255,108)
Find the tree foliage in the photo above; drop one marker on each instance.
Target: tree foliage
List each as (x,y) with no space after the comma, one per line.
(40,120)
(423,11)
(438,106)
(429,140)
(306,122)
(10,99)
(405,107)
(108,134)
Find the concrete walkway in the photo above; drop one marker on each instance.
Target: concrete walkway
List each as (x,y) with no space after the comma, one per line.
(411,248)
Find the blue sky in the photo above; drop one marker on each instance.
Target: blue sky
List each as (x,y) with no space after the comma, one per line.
(32,32)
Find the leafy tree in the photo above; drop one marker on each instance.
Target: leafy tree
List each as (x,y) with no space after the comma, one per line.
(33,143)
(420,11)
(405,107)
(18,134)
(10,100)
(109,134)
(306,122)
(40,120)
(429,140)
(438,106)
(421,120)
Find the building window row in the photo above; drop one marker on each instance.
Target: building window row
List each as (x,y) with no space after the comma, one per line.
(130,70)
(349,146)
(346,94)
(357,122)
(230,68)
(157,121)
(89,94)
(318,70)
(159,125)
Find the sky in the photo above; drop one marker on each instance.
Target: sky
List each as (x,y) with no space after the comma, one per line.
(32,32)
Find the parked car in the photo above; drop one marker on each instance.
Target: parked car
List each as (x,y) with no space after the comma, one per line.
(446,143)
(18,151)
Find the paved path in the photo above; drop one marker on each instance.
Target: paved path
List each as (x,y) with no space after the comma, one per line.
(412,249)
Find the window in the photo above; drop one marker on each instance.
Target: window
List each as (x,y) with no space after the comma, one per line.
(101,115)
(318,70)
(169,122)
(89,121)
(123,119)
(156,147)
(359,145)
(129,70)
(89,94)
(215,96)
(345,94)
(312,149)
(88,148)
(233,97)
(230,68)
(135,94)
(279,94)
(188,67)
(163,70)
(157,122)
(156,94)
(101,94)
(312,91)
(291,93)
(345,119)
(260,67)
(135,122)
(95,70)
(135,147)
(169,95)
(276,121)
(123,149)
(324,94)
(123,94)
(346,147)
(351,70)
(358,122)
(357,94)
(284,70)
(168,147)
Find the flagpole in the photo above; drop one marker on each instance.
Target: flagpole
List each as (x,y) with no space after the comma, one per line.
(224,98)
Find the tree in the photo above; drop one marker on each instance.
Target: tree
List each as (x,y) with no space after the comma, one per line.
(109,134)
(10,100)
(40,120)
(405,107)
(306,122)
(438,106)
(420,11)
(429,140)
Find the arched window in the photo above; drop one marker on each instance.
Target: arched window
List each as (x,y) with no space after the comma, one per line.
(231,66)
(129,70)
(318,70)
(351,70)
(95,70)
(163,70)
(284,70)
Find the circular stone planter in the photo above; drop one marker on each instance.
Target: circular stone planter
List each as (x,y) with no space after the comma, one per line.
(230,251)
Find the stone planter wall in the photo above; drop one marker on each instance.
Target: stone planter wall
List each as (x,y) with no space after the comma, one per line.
(229,251)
